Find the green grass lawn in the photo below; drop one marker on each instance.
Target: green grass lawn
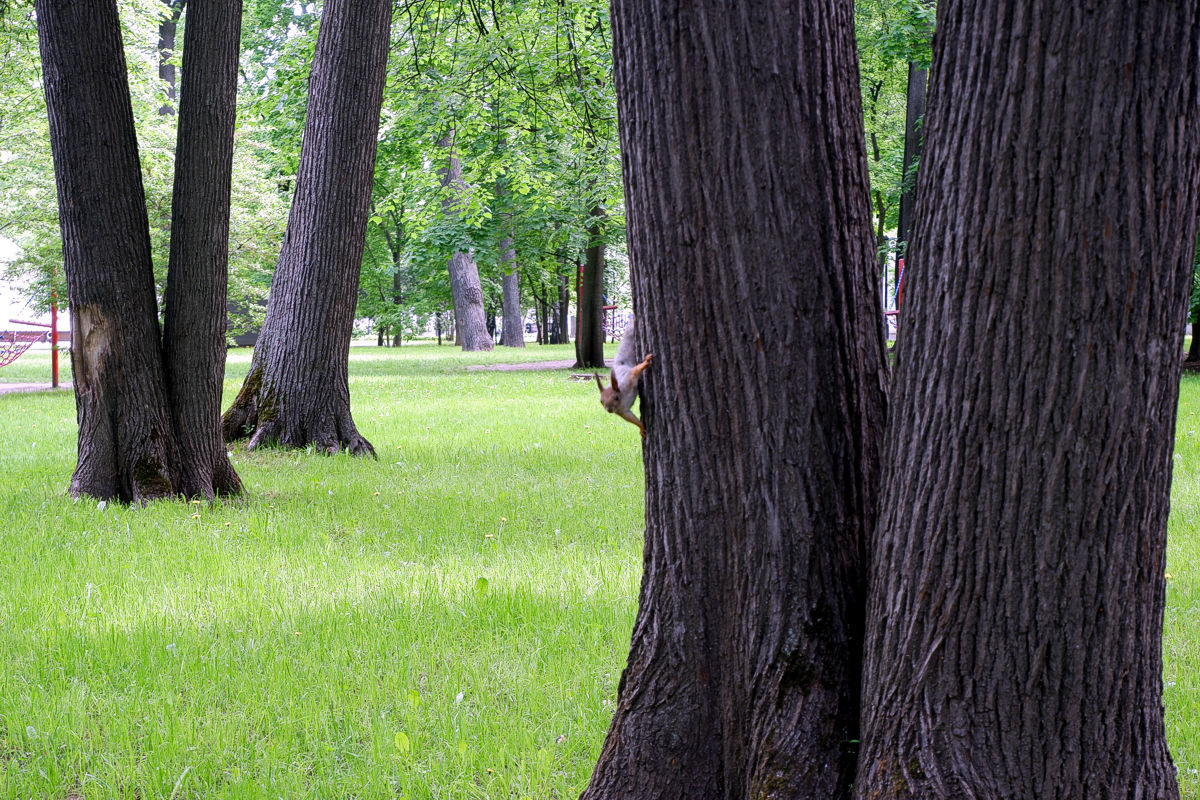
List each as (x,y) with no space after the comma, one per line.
(446,622)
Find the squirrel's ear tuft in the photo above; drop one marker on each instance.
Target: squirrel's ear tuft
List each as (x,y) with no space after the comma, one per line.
(599,385)
(613,375)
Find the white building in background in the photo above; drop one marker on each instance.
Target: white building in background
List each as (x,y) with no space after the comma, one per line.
(14,306)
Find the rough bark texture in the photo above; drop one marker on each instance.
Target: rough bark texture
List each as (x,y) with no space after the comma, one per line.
(589,347)
(1015,619)
(297,391)
(753,273)
(197,278)
(470,326)
(126,447)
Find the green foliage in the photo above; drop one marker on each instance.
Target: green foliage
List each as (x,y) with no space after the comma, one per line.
(1194,304)
(890,34)
(28,206)
(526,88)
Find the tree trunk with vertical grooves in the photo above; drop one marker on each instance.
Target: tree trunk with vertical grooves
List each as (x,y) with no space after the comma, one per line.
(470,326)
(589,347)
(297,390)
(1015,617)
(754,277)
(126,446)
(197,276)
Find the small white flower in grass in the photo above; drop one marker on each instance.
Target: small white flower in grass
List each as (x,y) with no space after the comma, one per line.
(171,648)
(31,732)
(101,505)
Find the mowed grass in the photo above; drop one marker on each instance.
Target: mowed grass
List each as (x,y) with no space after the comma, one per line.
(446,622)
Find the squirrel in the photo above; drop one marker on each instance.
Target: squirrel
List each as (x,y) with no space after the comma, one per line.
(618,398)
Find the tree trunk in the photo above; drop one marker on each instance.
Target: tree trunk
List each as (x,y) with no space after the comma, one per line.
(166,49)
(297,390)
(513,334)
(1015,618)
(1194,349)
(470,327)
(589,349)
(197,277)
(914,136)
(763,404)
(126,446)
(564,311)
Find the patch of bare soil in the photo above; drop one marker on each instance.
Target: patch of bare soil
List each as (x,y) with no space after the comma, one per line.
(529,366)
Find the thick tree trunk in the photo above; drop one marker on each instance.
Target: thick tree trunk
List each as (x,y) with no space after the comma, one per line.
(297,390)
(763,405)
(470,327)
(1015,618)
(589,348)
(126,445)
(197,278)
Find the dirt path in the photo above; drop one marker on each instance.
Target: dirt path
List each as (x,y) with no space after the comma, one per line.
(532,365)
(11,388)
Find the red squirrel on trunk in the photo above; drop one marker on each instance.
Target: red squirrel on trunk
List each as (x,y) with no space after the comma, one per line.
(618,398)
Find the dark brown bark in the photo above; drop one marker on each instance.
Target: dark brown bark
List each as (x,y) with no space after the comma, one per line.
(126,446)
(470,326)
(914,137)
(197,276)
(1015,618)
(754,280)
(166,49)
(589,348)
(297,390)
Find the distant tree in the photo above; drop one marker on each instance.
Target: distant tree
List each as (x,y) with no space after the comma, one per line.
(135,441)
(1015,619)
(755,285)
(470,325)
(297,390)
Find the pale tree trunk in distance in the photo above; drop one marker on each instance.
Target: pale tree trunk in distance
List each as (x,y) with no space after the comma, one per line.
(563,311)
(763,404)
(297,390)
(1015,618)
(470,326)
(513,334)
(126,446)
(197,276)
